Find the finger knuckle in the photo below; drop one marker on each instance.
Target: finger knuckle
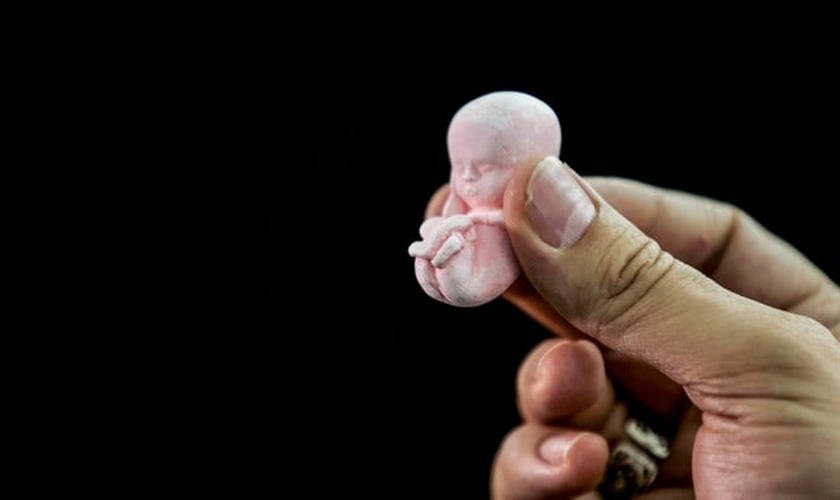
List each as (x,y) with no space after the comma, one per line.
(626,281)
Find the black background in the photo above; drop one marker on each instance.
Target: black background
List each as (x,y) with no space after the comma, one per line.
(376,383)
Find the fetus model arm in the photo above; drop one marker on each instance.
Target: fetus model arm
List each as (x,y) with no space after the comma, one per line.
(465,258)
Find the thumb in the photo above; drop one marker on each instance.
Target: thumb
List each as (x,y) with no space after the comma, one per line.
(616,284)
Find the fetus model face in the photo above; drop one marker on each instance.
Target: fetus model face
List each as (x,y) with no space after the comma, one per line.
(480,169)
(492,135)
(465,258)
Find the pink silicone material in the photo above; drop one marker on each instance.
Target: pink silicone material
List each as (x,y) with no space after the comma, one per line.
(464,257)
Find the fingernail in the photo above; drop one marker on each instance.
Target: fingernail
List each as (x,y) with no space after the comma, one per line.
(540,369)
(558,208)
(555,448)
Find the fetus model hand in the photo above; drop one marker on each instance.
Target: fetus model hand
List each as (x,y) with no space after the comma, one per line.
(465,258)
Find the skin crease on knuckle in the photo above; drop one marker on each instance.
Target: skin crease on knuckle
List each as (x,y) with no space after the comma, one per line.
(625,282)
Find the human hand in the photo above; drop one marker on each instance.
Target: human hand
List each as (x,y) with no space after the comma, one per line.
(687,308)
(693,309)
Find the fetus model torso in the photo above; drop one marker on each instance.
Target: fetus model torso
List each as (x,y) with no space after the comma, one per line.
(465,258)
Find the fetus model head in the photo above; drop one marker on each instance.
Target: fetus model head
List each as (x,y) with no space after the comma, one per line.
(492,135)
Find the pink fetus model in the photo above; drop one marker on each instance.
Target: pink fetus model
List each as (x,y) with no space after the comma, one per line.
(465,258)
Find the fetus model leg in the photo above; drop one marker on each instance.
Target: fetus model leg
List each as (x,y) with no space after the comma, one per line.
(464,257)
